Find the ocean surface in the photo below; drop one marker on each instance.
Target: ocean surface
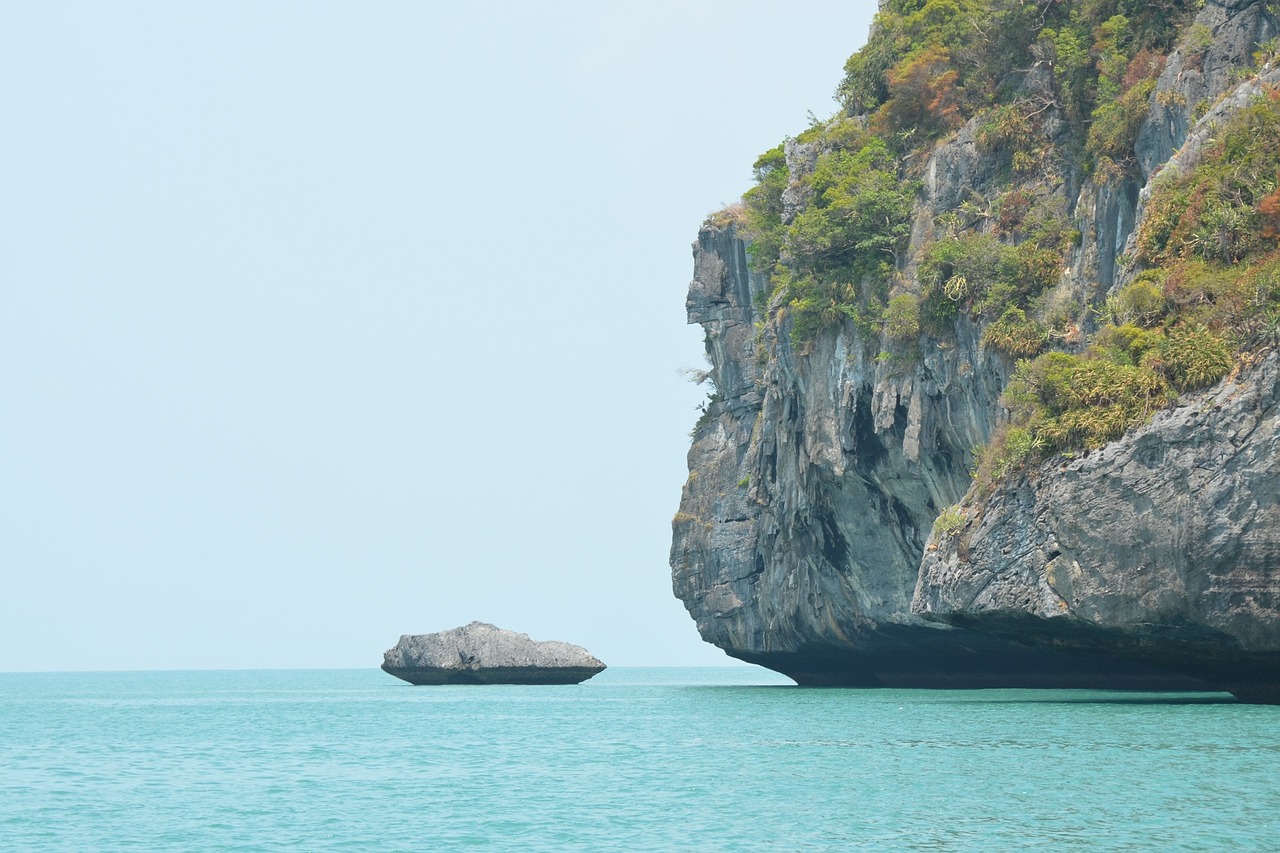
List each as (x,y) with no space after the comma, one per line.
(635,759)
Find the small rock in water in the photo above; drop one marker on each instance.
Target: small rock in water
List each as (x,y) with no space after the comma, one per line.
(481,653)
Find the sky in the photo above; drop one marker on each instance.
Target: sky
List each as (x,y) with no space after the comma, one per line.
(322,323)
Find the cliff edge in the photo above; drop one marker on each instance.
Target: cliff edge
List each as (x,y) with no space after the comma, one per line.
(990,407)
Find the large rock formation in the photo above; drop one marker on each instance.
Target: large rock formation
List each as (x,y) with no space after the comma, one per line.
(812,490)
(481,653)
(818,469)
(1161,547)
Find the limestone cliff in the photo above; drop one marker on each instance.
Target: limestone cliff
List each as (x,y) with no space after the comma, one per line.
(1161,547)
(805,536)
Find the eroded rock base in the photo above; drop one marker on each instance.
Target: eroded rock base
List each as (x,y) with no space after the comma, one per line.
(922,658)
(495,675)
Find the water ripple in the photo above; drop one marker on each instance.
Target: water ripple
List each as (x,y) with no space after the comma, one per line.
(644,760)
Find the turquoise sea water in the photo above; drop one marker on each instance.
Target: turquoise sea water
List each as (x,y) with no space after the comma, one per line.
(639,759)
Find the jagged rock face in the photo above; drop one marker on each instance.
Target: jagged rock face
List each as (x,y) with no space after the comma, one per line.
(816,472)
(814,480)
(480,653)
(1193,78)
(1163,546)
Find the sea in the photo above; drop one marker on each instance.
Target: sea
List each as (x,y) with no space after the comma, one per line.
(730,758)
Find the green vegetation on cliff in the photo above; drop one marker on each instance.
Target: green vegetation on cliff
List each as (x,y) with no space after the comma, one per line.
(929,67)
(970,47)
(1212,239)
(996,275)
(1051,94)
(843,244)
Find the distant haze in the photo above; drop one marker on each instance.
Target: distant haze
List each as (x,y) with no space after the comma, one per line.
(324,323)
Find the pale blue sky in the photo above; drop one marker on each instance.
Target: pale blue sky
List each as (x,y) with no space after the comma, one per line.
(324,323)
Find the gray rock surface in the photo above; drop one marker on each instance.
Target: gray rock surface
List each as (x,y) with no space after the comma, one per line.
(1193,78)
(481,653)
(1163,546)
(818,470)
(814,481)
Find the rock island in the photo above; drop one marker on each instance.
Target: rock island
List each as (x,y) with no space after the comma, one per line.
(995,389)
(481,653)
